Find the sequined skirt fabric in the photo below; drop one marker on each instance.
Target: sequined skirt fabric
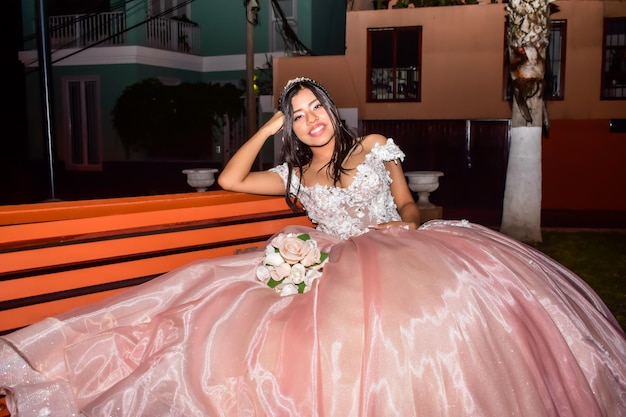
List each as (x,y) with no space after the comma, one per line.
(451,320)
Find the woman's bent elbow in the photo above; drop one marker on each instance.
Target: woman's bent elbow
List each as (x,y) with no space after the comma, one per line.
(225,184)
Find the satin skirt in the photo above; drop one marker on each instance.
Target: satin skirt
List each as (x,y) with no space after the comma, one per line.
(454,319)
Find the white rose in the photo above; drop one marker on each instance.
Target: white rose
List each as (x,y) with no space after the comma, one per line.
(270,249)
(321,265)
(293,249)
(296,275)
(287,289)
(273,258)
(263,273)
(311,275)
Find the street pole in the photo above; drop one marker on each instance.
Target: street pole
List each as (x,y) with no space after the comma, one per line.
(45,69)
(252,10)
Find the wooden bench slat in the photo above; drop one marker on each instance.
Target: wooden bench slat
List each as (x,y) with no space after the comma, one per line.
(108,274)
(66,280)
(61,255)
(107,249)
(16,233)
(70,210)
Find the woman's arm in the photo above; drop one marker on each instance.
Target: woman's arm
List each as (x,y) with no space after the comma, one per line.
(237,175)
(409,212)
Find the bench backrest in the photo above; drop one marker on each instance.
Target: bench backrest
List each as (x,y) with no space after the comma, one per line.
(60,255)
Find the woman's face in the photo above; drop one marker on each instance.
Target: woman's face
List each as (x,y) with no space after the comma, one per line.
(311,122)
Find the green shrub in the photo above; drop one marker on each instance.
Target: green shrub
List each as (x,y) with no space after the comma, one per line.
(177,122)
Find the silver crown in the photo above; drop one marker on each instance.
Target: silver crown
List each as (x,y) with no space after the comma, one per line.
(298,80)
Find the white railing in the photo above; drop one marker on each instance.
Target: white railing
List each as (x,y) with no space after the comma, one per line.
(173,35)
(78,31)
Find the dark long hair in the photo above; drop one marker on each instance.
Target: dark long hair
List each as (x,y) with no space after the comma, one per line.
(294,152)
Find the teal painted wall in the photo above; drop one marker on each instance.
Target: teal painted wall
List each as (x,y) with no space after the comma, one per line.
(321,25)
(224,32)
(113,80)
(28,25)
(136,13)
(328,33)
(224,27)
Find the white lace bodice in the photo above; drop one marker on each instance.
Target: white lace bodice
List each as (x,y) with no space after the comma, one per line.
(346,212)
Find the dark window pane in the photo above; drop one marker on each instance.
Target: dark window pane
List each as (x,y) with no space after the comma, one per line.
(614,65)
(555,62)
(74,95)
(408,48)
(382,49)
(394,57)
(93,151)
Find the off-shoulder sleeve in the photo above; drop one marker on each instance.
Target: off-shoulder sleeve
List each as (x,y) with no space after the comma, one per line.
(281,170)
(388,152)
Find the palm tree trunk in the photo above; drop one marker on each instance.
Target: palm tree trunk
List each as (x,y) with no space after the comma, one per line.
(527,38)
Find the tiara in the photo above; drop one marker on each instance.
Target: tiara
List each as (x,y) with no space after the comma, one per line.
(299,80)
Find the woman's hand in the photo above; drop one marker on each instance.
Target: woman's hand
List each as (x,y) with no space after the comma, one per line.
(275,123)
(402,224)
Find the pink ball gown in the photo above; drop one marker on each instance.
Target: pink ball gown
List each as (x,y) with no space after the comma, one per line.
(454,319)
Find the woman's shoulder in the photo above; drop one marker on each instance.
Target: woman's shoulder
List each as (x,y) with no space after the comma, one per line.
(370,141)
(384,148)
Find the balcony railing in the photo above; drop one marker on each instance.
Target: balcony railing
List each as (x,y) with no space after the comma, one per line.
(173,35)
(107,29)
(78,31)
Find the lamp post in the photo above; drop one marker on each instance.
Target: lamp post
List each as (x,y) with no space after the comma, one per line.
(252,11)
(45,69)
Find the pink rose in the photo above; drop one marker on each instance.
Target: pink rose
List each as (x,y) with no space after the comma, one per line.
(280,271)
(292,249)
(277,241)
(312,257)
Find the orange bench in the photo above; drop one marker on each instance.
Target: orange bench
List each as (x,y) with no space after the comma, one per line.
(59,255)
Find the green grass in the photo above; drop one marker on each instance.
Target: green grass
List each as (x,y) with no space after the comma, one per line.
(598,257)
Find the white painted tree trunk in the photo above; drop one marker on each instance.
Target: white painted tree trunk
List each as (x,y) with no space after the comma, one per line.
(521,209)
(527,38)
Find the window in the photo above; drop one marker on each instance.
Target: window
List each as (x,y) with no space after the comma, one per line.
(554,75)
(614,59)
(555,61)
(394,59)
(81,116)
(169,8)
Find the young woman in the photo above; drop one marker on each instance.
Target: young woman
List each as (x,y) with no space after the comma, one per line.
(451,319)
(323,153)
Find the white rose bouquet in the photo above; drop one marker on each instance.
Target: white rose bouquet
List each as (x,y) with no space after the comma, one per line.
(291,263)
